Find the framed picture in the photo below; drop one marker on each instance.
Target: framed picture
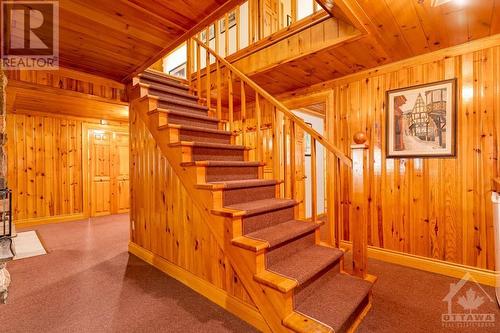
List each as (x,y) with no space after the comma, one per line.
(421,120)
(231,22)
(179,71)
(307,142)
(211,34)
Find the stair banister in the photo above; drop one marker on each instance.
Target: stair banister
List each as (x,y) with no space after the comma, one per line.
(277,104)
(359,209)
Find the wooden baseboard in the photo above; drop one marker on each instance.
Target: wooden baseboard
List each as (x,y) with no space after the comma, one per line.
(220,297)
(48,220)
(484,276)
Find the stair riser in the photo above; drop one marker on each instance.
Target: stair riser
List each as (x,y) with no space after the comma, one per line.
(290,248)
(176,107)
(181,120)
(193,154)
(165,82)
(217,174)
(187,135)
(177,135)
(173,95)
(241,195)
(261,221)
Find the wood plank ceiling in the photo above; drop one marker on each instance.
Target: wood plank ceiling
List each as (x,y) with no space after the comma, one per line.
(114,39)
(392,30)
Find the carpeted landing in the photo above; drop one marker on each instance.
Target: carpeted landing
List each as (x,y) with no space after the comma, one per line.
(89,283)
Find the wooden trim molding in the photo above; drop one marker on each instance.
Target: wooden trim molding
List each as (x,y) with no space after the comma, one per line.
(48,220)
(484,276)
(220,297)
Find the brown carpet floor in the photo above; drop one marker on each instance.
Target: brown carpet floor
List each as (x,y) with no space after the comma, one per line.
(89,283)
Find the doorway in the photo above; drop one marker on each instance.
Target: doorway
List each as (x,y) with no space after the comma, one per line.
(108,171)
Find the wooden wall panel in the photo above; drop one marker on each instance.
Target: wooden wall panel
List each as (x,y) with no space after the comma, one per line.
(71,80)
(45,166)
(166,222)
(437,208)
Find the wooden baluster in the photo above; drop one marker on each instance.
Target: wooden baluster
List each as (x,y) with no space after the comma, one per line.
(219,90)
(230,102)
(226,34)
(243,113)
(286,156)
(238,27)
(217,37)
(359,205)
(293,168)
(198,64)
(189,63)
(258,128)
(314,182)
(207,71)
(276,148)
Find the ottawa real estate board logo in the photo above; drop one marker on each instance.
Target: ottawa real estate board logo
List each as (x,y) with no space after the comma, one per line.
(30,35)
(467,305)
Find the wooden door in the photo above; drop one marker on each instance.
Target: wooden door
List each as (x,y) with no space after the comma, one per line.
(109,172)
(122,177)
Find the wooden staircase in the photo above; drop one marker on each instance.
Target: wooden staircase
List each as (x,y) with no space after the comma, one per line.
(297,282)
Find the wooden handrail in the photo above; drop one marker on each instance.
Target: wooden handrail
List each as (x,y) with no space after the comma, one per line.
(279,106)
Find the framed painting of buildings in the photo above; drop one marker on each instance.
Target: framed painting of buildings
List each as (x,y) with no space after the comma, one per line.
(421,120)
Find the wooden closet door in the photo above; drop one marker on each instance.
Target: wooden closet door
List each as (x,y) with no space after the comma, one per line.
(122,176)
(100,172)
(109,172)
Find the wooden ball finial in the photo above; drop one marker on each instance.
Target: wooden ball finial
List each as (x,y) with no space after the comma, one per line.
(360,138)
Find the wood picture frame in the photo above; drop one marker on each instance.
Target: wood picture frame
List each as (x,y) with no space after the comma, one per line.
(179,71)
(231,21)
(421,120)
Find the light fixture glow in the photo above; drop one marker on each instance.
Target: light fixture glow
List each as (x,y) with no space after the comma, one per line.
(467,93)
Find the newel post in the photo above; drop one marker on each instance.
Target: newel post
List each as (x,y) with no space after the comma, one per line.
(359,209)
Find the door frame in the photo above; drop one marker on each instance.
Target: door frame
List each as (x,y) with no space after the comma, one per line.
(86,127)
(330,230)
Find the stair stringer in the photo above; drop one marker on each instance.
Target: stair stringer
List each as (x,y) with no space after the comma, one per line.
(272,304)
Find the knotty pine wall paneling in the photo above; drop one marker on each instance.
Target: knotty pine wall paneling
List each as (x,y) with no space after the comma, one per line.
(167,223)
(438,208)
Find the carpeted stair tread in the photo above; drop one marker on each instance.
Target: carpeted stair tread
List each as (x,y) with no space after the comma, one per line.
(262,206)
(336,301)
(186,114)
(169,90)
(306,263)
(283,232)
(163,79)
(208,145)
(223,164)
(195,129)
(237,184)
(178,102)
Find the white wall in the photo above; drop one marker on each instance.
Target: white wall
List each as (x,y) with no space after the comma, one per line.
(175,59)
(318,125)
(304,8)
